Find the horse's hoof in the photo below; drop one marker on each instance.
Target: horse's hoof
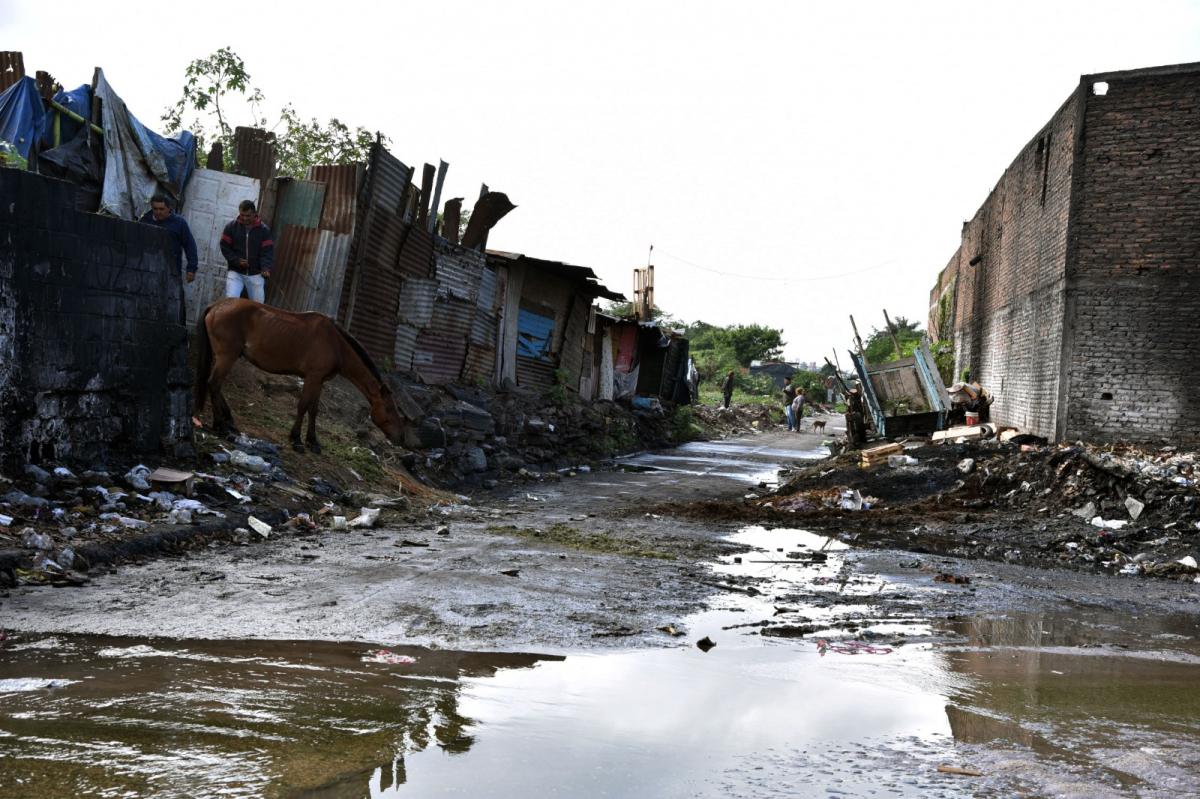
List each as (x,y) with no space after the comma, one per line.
(299,447)
(313,446)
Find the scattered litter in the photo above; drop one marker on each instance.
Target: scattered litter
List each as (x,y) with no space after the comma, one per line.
(259,526)
(851,500)
(966,465)
(1188,561)
(671,630)
(443,530)
(367,517)
(1087,512)
(705,644)
(511,572)
(249,462)
(339,523)
(901,460)
(184,482)
(125,521)
(962,772)
(138,478)
(953,579)
(851,648)
(1109,524)
(5,521)
(35,540)
(387,656)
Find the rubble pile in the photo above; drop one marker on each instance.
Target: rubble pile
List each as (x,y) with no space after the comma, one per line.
(1117,509)
(56,524)
(473,436)
(738,419)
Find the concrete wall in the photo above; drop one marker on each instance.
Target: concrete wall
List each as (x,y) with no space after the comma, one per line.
(1134,291)
(93,351)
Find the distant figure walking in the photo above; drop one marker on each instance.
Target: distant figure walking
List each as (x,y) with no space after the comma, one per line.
(789,394)
(250,252)
(727,389)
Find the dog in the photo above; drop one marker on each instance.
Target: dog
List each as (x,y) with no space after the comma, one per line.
(818,424)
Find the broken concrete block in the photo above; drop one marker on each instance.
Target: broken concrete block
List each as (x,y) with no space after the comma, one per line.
(1135,507)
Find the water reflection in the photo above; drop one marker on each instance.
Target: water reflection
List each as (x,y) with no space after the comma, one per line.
(236,718)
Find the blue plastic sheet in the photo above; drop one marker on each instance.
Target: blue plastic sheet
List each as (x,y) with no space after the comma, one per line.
(533,334)
(78,100)
(21,115)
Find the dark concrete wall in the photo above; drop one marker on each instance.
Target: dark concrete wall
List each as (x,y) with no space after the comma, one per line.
(93,350)
(1011,277)
(1134,284)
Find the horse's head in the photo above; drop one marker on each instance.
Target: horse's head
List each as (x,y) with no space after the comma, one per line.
(386,415)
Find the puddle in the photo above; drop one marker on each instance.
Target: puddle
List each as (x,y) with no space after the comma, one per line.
(1045,701)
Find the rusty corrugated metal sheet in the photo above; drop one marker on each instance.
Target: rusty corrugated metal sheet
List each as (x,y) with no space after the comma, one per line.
(254,152)
(483,329)
(371,290)
(438,358)
(12,68)
(534,373)
(459,273)
(489,289)
(298,202)
(341,194)
(416,260)
(310,265)
(416,301)
(406,342)
(453,317)
(480,363)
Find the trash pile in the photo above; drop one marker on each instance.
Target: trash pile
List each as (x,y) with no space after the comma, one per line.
(56,524)
(738,419)
(1120,509)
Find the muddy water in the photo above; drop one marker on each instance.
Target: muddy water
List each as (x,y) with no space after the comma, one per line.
(1050,699)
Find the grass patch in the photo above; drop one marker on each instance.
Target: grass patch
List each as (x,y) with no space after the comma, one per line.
(712,396)
(567,536)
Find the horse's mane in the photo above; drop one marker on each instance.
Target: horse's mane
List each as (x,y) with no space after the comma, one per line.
(362,353)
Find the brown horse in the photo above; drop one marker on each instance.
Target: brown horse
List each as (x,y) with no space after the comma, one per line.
(309,345)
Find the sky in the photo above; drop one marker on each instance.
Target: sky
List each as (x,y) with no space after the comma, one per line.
(791,163)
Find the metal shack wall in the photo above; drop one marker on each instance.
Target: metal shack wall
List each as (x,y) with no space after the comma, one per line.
(371,289)
(210,202)
(342,182)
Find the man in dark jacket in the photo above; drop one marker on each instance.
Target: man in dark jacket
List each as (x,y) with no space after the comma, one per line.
(182,241)
(727,389)
(250,253)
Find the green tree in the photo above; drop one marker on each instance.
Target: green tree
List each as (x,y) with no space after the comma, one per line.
(214,86)
(754,343)
(879,346)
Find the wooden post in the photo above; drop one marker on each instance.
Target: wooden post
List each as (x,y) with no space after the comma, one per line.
(858,341)
(892,333)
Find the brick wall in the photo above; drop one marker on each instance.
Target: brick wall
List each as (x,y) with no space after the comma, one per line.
(1134,289)
(1010,280)
(93,352)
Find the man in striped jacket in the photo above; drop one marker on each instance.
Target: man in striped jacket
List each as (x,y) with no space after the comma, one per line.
(250,253)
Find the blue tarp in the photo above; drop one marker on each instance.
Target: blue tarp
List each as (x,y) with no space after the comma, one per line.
(77,100)
(21,115)
(138,162)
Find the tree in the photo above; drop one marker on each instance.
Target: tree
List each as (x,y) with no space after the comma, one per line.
(879,348)
(208,82)
(215,85)
(755,343)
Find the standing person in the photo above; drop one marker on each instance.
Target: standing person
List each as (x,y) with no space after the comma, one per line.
(829,384)
(250,253)
(182,241)
(798,408)
(789,394)
(727,389)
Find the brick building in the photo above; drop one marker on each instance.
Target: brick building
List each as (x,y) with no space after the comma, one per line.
(1075,293)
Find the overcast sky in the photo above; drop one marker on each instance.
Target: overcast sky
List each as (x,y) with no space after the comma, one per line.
(792,163)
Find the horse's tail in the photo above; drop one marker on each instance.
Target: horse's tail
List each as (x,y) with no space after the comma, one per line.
(204,359)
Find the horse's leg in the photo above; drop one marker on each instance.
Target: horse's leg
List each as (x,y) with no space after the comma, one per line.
(313,444)
(306,405)
(222,414)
